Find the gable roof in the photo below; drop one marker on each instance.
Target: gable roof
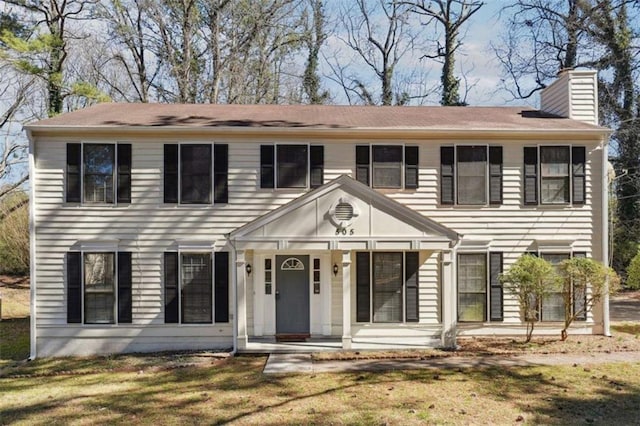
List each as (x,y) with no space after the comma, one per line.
(209,116)
(363,192)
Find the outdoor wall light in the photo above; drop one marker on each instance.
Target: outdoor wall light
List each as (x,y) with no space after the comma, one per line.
(248,269)
(335,269)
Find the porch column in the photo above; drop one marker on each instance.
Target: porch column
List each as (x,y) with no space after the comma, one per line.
(449,305)
(346,299)
(241,288)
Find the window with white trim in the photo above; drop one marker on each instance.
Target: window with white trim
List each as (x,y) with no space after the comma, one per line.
(387,166)
(480,292)
(291,166)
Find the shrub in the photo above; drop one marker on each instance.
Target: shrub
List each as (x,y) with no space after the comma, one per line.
(14,234)
(633,273)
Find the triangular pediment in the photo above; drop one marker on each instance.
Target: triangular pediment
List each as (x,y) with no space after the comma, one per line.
(342,209)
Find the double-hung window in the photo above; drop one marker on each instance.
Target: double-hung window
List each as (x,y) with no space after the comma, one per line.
(387,287)
(480,293)
(552,307)
(554,175)
(98,173)
(99,287)
(196,287)
(190,173)
(291,166)
(387,166)
(471,175)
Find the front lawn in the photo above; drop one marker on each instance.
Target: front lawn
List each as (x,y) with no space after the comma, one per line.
(165,390)
(14,327)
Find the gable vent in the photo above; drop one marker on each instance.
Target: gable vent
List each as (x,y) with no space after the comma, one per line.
(344,211)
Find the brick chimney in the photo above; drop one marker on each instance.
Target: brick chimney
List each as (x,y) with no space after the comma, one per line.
(574,94)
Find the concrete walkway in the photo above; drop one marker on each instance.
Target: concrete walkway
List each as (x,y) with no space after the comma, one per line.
(303,363)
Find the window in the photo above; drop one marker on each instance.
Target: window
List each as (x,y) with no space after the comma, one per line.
(471,175)
(291,166)
(191,287)
(479,287)
(381,166)
(189,176)
(98,173)
(554,175)
(97,284)
(387,287)
(552,306)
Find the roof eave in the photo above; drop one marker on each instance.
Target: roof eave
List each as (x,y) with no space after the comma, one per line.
(342,132)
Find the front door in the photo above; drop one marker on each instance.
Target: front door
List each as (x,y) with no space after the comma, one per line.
(292,295)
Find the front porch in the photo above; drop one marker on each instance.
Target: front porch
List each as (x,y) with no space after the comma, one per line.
(350,268)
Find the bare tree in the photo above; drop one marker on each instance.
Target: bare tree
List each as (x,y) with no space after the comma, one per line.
(380,35)
(43,51)
(451,15)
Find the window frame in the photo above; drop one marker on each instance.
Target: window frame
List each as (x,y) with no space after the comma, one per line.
(179,180)
(486,254)
(487,302)
(403,164)
(487,176)
(569,176)
(114,173)
(114,308)
(572,175)
(403,293)
(274,174)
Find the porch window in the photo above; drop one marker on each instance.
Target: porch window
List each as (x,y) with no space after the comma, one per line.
(98,287)
(98,173)
(387,287)
(480,293)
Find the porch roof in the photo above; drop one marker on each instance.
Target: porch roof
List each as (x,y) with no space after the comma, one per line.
(380,222)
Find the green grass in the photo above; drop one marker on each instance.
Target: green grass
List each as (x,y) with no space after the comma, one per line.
(14,339)
(135,391)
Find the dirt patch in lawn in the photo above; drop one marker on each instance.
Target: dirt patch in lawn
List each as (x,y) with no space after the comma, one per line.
(15,297)
(626,337)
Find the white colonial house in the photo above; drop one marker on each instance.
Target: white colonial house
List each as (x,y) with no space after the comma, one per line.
(170,227)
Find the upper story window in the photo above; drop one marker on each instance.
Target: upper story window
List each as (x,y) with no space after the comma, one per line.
(98,173)
(554,175)
(192,170)
(387,166)
(291,166)
(471,175)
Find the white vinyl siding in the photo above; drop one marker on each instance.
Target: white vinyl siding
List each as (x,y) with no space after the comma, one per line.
(147,228)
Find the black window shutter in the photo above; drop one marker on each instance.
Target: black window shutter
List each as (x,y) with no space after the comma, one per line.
(267,166)
(580,297)
(495,290)
(362,164)
(578,158)
(74,155)
(447,186)
(124,173)
(495,175)
(412,265)
(411,156)
(316,175)
(221,173)
(171,287)
(221,286)
(363,291)
(171,173)
(530,175)
(124,287)
(74,287)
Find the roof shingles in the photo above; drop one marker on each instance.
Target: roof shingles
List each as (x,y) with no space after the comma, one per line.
(120,115)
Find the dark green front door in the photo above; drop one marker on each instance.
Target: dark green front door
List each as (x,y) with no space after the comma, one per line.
(292,295)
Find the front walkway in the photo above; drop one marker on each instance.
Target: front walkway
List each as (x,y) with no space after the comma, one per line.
(303,363)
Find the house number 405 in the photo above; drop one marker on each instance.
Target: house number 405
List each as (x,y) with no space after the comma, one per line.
(344,231)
